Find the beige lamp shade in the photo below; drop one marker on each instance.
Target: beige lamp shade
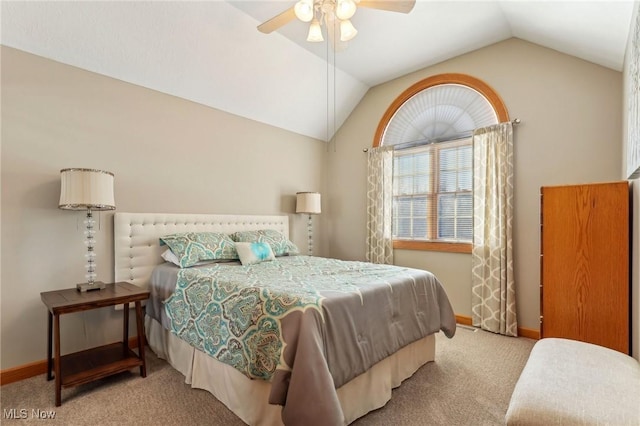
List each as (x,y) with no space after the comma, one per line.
(308,202)
(83,189)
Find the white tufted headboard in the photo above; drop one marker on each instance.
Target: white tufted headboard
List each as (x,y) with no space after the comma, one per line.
(137,248)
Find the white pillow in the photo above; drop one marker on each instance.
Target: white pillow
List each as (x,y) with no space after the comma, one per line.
(168,256)
(171,257)
(255,252)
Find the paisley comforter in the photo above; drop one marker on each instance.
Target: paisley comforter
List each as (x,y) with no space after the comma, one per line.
(306,324)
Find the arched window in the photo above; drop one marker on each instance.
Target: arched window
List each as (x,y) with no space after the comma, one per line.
(430,126)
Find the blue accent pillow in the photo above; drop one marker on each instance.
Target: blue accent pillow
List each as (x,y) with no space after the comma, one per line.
(280,245)
(251,253)
(193,247)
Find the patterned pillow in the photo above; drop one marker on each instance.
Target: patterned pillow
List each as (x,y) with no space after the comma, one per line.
(193,247)
(251,253)
(280,245)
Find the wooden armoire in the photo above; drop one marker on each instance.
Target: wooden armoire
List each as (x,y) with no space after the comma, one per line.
(585,283)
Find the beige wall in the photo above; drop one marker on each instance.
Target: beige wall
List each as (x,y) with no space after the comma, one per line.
(167,154)
(570,133)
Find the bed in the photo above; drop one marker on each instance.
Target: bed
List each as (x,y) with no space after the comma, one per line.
(331,338)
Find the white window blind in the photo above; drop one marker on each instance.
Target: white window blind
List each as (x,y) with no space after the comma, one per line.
(432,198)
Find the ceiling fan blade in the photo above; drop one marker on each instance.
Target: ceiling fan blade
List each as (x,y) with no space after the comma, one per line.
(277,21)
(402,6)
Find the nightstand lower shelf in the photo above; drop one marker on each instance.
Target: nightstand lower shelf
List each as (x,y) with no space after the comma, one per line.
(96,363)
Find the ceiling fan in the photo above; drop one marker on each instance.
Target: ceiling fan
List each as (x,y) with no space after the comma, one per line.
(335,14)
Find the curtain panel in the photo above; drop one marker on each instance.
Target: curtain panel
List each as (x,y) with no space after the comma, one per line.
(493,287)
(379,205)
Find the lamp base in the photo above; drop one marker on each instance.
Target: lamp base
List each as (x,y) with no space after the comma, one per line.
(83,287)
(310,235)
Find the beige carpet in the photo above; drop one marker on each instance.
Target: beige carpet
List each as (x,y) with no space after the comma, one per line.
(470,383)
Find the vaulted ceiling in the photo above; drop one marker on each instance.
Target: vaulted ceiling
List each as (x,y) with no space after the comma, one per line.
(211,52)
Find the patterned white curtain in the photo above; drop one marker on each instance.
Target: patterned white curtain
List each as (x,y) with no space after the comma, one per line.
(379,205)
(493,297)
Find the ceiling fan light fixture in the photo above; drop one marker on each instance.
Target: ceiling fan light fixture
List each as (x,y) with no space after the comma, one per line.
(315,32)
(347,30)
(345,9)
(304,10)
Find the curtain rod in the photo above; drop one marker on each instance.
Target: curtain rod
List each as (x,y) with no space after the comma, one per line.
(461,135)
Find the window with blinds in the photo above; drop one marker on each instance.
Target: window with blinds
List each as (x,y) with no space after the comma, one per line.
(432,192)
(432,183)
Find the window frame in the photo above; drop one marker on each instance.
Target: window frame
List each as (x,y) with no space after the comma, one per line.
(450,78)
(433,195)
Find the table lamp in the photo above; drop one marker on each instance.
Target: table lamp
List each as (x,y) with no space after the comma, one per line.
(87,189)
(309,203)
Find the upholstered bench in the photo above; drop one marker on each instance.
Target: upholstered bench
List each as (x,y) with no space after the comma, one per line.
(566,382)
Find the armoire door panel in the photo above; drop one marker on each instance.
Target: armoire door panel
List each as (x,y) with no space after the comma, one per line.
(585,263)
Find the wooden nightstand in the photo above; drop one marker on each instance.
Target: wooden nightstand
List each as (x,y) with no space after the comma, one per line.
(92,364)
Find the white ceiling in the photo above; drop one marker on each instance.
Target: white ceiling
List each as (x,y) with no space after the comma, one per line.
(211,52)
